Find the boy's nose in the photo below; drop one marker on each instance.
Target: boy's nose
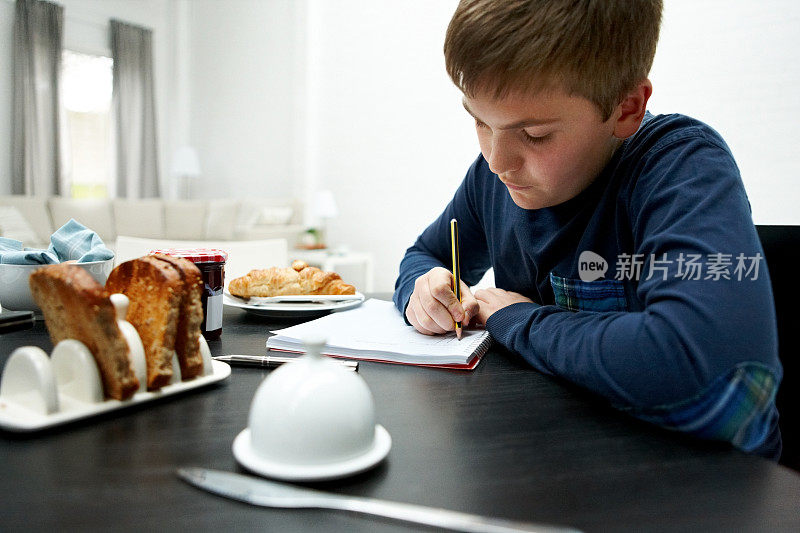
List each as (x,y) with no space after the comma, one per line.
(503,157)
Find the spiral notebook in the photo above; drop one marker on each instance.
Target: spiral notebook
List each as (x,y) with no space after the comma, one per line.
(376,331)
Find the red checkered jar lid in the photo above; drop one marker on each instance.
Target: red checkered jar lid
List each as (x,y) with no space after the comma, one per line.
(195,255)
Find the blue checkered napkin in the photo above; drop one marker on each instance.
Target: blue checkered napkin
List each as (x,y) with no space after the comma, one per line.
(71,242)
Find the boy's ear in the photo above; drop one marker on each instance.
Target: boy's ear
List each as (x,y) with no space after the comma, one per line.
(630,111)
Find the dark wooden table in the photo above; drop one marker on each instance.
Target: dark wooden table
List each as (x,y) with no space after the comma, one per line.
(502,440)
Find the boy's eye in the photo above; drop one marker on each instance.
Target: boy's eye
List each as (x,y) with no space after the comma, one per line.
(479,124)
(535,139)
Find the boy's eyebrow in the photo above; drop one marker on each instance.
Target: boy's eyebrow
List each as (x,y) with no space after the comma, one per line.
(524,123)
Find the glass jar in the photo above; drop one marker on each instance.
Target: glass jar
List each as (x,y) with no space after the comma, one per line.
(211,263)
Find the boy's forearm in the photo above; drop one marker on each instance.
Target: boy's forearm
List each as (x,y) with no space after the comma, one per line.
(642,359)
(659,364)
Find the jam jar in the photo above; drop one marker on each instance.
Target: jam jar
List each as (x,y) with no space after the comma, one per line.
(211,262)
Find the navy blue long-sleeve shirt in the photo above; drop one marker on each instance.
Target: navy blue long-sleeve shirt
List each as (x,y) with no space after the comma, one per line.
(680,330)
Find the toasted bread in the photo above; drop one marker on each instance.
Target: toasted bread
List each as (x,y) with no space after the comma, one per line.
(75,306)
(154,288)
(187,338)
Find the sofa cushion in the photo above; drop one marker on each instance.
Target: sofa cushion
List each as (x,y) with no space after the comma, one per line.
(95,214)
(139,218)
(35,211)
(275,216)
(185,219)
(248,215)
(269,212)
(221,219)
(14,226)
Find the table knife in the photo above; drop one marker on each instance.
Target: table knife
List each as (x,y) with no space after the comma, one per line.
(273,361)
(15,320)
(261,492)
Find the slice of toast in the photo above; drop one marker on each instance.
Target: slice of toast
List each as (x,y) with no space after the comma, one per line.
(154,290)
(75,306)
(187,338)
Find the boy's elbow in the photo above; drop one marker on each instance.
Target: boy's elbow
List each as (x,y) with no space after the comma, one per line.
(695,346)
(737,407)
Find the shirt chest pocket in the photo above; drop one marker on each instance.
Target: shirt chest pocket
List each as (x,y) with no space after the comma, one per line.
(600,295)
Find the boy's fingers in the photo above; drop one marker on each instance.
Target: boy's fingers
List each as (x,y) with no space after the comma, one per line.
(445,296)
(415,323)
(434,305)
(432,315)
(471,310)
(469,304)
(416,315)
(456,310)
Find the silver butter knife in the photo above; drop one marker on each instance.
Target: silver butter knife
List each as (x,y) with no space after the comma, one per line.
(265,493)
(274,361)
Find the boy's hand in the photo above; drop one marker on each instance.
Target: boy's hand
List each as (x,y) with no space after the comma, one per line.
(433,308)
(492,300)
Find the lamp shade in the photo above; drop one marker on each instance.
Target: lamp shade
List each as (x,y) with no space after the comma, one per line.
(325,204)
(185,162)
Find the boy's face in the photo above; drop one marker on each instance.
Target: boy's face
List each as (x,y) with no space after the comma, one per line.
(546,148)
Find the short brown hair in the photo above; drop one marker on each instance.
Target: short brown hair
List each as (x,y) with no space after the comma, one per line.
(598,49)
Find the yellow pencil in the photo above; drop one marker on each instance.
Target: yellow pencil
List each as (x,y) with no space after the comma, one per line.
(456,267)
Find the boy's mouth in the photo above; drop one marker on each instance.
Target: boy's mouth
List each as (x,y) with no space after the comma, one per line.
(516,187)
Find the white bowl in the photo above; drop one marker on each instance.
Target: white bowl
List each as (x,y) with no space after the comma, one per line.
(311,419)
(15,292)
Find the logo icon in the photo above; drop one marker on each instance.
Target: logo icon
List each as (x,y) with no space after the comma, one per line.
(591,266)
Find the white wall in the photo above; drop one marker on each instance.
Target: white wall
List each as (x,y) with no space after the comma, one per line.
(242,85)
(388,133)
(284,97)
(736,66)
(86,24)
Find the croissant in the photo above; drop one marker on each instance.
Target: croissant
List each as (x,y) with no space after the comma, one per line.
(297,279)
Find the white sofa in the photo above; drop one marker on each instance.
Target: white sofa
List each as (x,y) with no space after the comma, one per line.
(33,219)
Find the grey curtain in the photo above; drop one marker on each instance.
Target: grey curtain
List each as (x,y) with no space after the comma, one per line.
(38,38)
(135,114)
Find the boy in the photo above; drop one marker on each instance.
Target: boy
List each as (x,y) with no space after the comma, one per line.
(623,249)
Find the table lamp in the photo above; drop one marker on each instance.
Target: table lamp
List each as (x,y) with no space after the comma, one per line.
(186,164)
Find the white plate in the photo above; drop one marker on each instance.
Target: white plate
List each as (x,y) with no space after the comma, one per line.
(294,309)
(243,452)
(301,298)
(14,417)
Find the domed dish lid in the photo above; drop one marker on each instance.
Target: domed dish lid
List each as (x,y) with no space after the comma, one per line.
(310,420)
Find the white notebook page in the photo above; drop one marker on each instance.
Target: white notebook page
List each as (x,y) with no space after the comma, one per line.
(377,325)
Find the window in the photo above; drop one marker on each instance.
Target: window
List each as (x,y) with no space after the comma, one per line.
(86,85)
